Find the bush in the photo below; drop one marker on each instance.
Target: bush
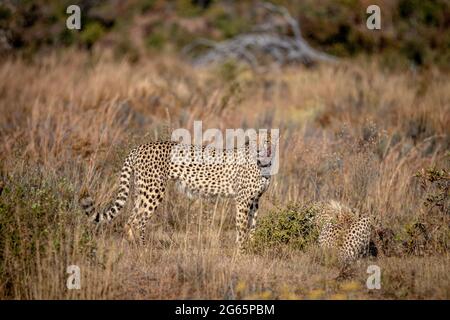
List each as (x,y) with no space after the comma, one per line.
(229,25)
(91,33)
(36,231)
(292,226)
(186,8)
(146,5)
(156,41)
(436,184)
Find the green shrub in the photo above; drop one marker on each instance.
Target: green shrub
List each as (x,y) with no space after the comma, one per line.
(436,183)
(5,12)
(146,5)
(227,23)
(429,232)
(228,70)
(291,226)
(424,236)
(186,8)
(155,41)
(180,36)
(35,226)
(66,37)
(91,33)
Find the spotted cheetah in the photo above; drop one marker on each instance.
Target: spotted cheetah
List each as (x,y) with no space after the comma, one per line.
(242,173)
(343,229)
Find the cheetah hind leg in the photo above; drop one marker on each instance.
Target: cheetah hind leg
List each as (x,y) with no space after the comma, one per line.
(147,205)
(131,231)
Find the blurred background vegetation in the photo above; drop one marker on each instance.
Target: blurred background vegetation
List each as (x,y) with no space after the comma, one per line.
(414,33)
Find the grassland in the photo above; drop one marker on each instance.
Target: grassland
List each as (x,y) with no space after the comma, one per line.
(352,132)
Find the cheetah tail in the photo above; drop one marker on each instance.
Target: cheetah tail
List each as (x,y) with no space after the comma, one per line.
(87,203)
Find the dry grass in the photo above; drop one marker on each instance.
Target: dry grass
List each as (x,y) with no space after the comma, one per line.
(351,132)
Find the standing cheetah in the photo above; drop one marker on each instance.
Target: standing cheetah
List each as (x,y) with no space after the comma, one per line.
(241,173)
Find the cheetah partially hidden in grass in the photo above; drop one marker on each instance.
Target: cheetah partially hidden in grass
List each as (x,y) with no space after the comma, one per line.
(241,173)
(344,230)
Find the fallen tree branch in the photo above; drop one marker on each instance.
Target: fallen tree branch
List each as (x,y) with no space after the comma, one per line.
(250,47)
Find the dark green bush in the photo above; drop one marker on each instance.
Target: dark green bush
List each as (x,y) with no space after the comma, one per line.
(146,5)
(91,33)
(155,40)
(187,9)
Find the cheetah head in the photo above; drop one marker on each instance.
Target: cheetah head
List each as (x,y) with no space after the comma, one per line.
(264,148)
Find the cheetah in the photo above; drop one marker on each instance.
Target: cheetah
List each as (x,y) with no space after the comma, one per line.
(241,173)
(343,229)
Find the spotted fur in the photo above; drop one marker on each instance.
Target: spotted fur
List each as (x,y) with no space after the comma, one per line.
(343,229)
(238,175)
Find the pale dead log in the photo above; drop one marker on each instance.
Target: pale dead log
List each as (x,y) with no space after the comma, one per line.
(265,41)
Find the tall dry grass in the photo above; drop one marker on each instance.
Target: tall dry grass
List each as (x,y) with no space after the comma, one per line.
(351,132)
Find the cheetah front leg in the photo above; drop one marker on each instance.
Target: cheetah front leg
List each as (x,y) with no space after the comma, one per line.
(252,216)
(241,225)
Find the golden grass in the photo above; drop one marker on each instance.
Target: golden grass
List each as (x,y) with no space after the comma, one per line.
(351,132)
